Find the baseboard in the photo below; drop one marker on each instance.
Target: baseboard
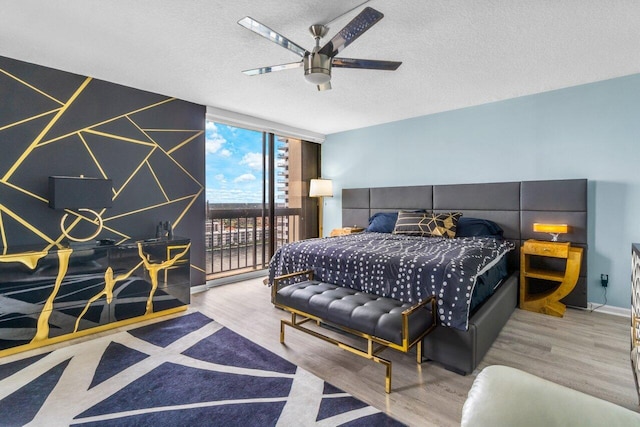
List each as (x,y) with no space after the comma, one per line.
(199,288)
(609,309)
(229,279)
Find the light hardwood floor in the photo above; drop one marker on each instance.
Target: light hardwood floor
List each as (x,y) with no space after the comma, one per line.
(587,351)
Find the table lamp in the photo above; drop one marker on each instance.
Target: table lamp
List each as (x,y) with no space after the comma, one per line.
(82,194)
(554,229)
(320,188)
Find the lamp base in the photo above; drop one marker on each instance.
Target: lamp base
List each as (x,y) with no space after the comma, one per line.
(84,239)
(320,206)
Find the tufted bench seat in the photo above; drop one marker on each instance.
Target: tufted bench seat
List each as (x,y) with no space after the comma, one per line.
(385,321)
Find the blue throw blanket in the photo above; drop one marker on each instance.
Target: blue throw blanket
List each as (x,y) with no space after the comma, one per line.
(405,268)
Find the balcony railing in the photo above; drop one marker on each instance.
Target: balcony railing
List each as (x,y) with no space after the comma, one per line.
(237,240)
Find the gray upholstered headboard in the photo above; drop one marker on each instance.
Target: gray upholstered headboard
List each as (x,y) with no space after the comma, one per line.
(515,206)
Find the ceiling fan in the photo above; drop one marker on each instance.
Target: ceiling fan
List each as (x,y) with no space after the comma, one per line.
(317,63)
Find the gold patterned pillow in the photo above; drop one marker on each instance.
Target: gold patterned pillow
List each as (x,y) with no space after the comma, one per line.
(427,224)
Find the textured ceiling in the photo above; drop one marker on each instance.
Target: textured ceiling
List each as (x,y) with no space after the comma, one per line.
(455,53)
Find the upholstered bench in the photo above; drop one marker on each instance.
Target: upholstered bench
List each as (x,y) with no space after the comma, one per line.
(385,321)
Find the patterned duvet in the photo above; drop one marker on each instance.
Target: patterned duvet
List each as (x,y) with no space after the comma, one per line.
(405,268)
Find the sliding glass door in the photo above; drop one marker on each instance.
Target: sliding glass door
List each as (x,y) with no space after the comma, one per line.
(255,180)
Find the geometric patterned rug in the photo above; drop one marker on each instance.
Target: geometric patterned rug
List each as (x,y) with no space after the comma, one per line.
(185,371)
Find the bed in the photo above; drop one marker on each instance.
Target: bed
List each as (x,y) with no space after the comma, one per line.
(406,268)
(470,317)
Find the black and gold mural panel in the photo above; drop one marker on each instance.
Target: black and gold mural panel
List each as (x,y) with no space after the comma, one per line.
(58,123)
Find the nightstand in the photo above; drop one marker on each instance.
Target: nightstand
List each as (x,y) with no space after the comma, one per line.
(548,302)
(345,230)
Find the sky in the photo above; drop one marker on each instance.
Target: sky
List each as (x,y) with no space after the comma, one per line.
(233,164)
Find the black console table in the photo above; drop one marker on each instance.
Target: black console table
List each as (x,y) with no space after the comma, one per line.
(64,291)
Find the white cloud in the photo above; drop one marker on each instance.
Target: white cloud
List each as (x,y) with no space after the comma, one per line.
(253,160)
(233,196)
(214,141)
(247,177)
(225,153)
(220,177)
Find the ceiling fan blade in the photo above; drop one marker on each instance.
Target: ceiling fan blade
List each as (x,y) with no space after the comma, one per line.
(266,32)
(354,29)
(265,70)
(324,86)
(370,64)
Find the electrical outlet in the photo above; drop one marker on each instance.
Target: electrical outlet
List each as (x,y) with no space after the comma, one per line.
(604,280)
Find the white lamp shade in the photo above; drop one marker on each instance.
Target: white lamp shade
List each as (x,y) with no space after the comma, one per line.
(321,188)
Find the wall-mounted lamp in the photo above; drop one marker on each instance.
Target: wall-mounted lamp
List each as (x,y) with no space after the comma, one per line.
(320,188)
(83,194)
(553,229)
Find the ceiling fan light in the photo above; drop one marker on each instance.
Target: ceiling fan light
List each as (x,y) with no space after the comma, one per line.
(317,76)
(317,68)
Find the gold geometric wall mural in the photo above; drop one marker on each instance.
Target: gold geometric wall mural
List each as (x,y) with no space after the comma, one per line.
(56,285)
(151,146)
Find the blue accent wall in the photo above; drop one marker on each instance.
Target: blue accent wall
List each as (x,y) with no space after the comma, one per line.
(590,131)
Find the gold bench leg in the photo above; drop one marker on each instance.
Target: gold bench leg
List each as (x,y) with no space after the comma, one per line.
(419,352)
(282,332)
(371,355)
(387,382)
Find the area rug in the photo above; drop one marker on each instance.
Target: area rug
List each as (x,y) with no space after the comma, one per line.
(185,371)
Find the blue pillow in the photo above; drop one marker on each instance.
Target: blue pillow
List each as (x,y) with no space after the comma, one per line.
(470,227)
(383,222)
